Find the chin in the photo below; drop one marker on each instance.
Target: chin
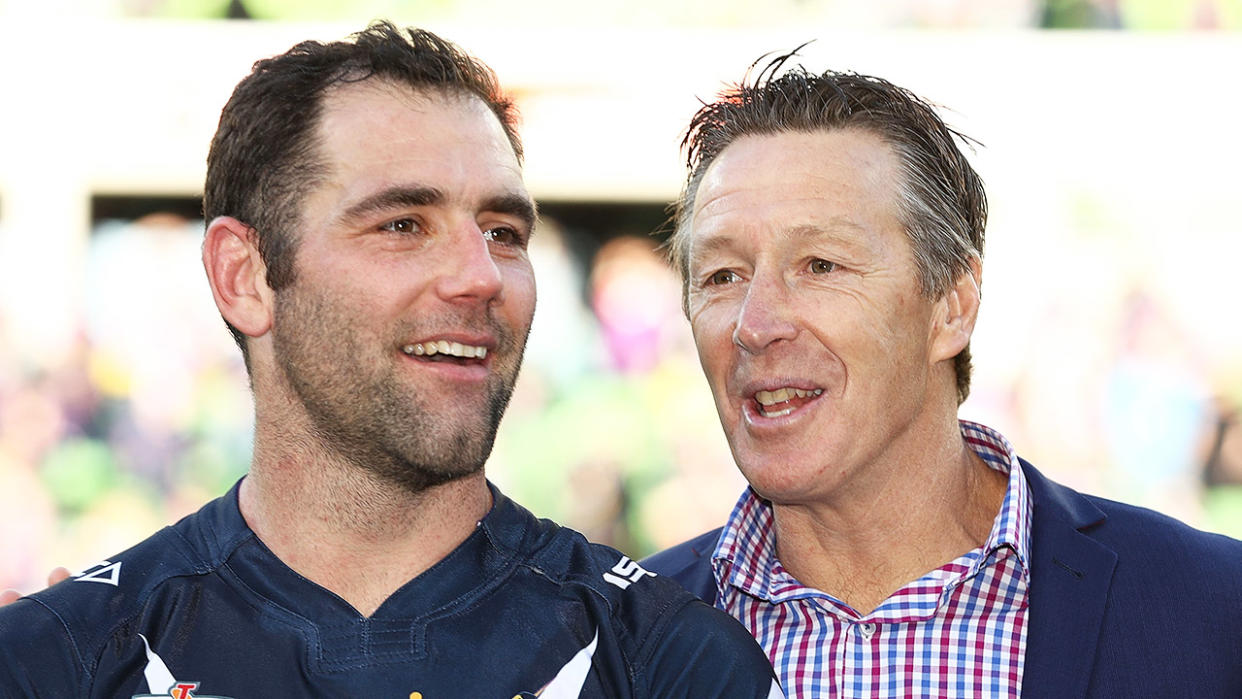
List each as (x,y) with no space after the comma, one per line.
(767,478)
(416,480)
(782,480)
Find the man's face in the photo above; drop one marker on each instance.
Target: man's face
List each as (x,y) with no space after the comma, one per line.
(403,333)
(806,310)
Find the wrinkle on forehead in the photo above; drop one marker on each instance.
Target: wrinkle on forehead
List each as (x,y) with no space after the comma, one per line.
(771,161)
(841,184)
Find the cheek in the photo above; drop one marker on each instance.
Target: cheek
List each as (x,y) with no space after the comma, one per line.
(520,291)
(716,357)
(712,338)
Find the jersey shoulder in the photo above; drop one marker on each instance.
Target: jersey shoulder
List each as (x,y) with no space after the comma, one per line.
(634,596)
(675,644)
(74,619)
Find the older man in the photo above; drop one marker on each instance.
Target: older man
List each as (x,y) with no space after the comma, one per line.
(830,238)
(367,246)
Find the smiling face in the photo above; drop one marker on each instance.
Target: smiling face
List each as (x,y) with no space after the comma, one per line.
(823,356)
(402,334)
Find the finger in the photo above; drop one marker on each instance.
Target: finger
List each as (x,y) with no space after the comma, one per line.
(58,573)
(9,596)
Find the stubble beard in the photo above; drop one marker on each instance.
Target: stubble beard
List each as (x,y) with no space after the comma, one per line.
(361,411)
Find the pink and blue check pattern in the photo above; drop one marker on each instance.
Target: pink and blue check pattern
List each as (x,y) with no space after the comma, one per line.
(958,631)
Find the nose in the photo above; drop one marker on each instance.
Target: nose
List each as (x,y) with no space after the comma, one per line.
(765,316)
(470,272)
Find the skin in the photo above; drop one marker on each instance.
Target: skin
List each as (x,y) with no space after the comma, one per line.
(368,462)
(801,276)
(11,595)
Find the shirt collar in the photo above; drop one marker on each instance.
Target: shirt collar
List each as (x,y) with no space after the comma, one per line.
(1012,526)
(745,556)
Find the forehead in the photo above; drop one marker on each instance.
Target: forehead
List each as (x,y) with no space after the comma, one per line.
(840,179)
(376,133)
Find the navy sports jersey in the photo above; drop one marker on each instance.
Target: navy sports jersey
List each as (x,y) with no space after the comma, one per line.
(522,608)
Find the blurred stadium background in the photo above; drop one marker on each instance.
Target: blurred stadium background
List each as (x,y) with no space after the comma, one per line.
(1109,348)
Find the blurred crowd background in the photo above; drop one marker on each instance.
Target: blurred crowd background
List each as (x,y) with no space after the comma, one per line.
(1109,349)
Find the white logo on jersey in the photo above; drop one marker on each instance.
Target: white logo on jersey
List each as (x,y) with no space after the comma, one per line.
(569,682)
(626,573)
(102,572)
(160,678)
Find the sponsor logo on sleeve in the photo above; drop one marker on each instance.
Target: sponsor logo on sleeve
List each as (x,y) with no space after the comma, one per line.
(105,572)
(626,573)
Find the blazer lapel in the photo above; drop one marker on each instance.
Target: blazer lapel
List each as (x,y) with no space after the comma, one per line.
(1070,578)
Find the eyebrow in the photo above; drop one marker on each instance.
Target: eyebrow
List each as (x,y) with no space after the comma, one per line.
(700,249)
(394,198)
(511,204)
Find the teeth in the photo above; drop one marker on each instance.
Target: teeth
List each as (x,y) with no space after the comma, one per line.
(781,395)
(777,413)
(455,349)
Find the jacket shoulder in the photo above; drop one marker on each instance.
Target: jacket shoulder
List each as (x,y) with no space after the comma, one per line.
(1126,601)
(1137,535)
(1156,539)
(690,564)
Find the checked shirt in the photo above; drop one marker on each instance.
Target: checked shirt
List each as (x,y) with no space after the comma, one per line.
(960,630)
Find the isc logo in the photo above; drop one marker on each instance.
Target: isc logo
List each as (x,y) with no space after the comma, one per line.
(626,573)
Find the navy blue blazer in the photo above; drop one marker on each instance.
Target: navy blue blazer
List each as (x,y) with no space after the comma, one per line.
(1124,601)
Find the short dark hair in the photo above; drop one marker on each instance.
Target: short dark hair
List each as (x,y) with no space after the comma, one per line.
(265,157)
(942,204)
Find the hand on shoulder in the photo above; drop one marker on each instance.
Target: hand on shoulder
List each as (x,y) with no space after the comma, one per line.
(58,574)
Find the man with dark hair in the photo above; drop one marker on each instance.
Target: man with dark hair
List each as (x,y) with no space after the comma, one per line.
(367,244)
(830,239)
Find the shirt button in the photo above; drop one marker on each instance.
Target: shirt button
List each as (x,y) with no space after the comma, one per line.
(867,630)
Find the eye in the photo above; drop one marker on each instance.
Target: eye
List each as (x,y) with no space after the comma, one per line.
(819,266)
(505,235)
(723,276)
(403,226)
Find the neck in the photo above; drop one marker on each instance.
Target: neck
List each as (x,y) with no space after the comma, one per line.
(349,531)
(866,544)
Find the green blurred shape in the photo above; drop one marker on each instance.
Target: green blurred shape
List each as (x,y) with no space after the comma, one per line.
(77,472)
(211,465)
(1077,14)
(1223,505)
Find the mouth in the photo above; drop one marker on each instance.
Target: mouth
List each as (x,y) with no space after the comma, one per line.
(783,401)
(445,351)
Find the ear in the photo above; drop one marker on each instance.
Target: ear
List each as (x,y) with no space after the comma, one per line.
(237,276)
(956,314)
